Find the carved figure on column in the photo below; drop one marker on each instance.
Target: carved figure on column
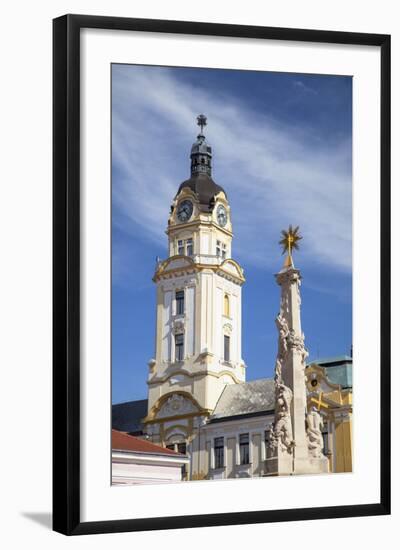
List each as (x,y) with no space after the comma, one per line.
(297,343)
(314,434)
(281,434)
(283,330)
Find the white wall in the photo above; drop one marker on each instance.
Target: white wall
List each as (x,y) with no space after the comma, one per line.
(26,266)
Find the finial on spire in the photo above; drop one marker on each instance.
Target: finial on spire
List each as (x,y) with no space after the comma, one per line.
(289,242)
(201,121)
(201,153)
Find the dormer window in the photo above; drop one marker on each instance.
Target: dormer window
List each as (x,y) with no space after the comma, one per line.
(181,248)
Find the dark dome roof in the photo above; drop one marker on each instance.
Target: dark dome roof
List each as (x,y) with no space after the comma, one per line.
(204,187)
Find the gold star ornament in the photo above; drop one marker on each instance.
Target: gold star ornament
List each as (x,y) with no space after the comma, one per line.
(289,241)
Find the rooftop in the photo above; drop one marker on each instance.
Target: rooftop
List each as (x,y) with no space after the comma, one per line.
(124,442)
(127,417)
(338,370)
(327,361)
(204,187)
(248,398)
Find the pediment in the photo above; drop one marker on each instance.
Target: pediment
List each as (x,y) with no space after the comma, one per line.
(176,404)
(178,261)
(175,263)
(232,267)
(317,380)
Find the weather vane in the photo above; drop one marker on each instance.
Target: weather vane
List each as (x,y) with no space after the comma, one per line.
(289,242)
(202,121)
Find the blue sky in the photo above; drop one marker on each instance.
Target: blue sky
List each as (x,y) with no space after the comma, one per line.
(282,150)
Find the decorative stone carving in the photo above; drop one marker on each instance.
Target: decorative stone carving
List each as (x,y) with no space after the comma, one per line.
(281,434)
(314,434)
(287,277)
(227,328)
(178,326)
(174,405)
(151,364)
(296,343)
(176,379)
(283,331)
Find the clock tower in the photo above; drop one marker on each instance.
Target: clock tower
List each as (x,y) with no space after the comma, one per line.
(198,320)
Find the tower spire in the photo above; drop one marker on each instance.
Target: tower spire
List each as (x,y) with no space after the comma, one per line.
(201,153)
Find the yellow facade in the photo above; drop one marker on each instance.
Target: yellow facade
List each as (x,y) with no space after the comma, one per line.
(336,407)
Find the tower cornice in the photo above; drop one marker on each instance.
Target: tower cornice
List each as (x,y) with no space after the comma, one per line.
(176,228)
(162,272)
(288,275)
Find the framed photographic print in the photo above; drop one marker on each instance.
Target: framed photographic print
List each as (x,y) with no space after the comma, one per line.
(221,261)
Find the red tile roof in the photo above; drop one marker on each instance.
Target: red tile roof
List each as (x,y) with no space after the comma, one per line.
(122,441)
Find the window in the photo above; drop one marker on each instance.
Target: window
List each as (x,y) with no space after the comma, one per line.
(325,438)
(267,439)
(244,449)
(181,448)
(177,447)
(223,252)
(179,347)
(219,452)
(180,302)
(189,247)
(185,245)
(227,345)
(226,305)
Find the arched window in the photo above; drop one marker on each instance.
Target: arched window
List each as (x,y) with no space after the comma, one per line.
(226,305)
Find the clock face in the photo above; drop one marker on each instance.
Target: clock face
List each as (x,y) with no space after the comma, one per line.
(185,211)
(222,216)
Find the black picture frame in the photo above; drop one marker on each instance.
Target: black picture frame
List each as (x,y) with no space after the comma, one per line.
(66,273)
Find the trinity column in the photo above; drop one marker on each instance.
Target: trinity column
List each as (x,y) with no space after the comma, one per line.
(295,439)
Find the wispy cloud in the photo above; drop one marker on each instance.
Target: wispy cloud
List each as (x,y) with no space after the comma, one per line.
(299,84)
(273,173)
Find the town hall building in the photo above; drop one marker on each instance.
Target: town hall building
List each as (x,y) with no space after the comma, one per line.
(199,403)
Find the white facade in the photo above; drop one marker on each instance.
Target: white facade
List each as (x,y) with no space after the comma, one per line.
(246,462)
(133,468)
